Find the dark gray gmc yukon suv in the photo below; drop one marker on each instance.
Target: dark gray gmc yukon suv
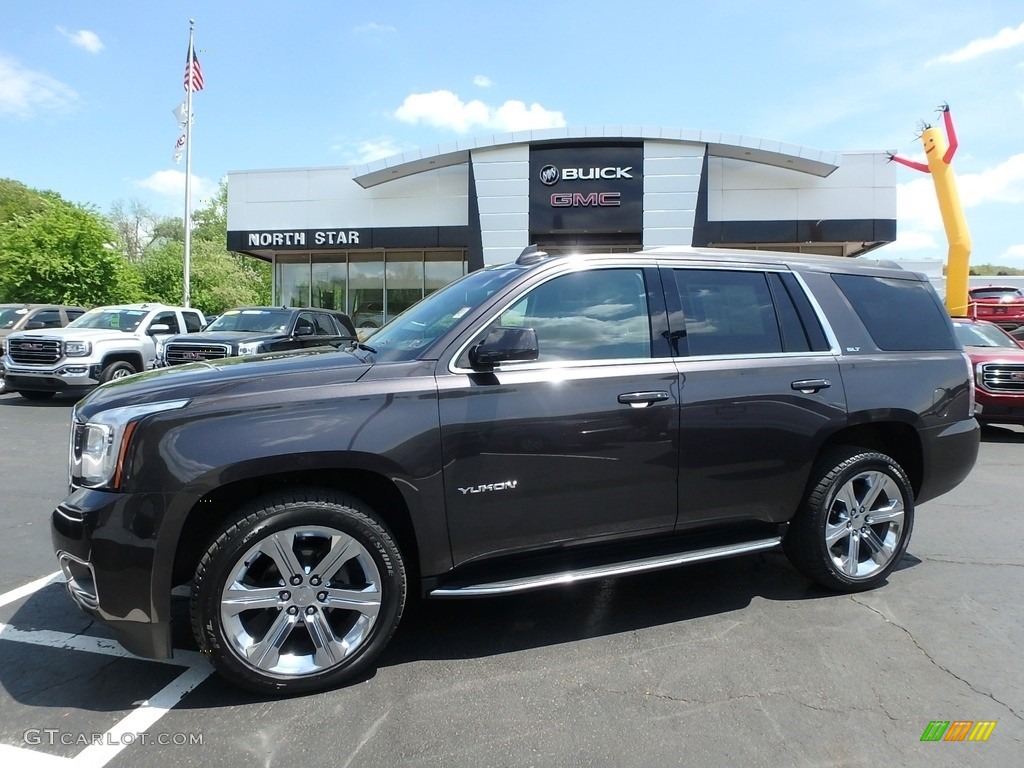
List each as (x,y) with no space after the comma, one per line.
(531,424)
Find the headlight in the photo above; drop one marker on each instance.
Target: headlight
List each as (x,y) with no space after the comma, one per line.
(98,447)
(77,348)
(248,347)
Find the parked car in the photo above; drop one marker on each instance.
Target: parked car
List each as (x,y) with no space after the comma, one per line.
(104,344)
(251,330)
(1000,304)
(28,317)
(537,423)
(998,362)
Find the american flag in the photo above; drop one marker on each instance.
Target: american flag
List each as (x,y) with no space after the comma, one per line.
(194,73)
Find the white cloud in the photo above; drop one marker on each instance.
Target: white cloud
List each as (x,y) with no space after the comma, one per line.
(1012,257)
(1003,39)
(483,81)
(370,150)
(172,184)
(1003,184)
(83,38)
(24,92)
(443,109)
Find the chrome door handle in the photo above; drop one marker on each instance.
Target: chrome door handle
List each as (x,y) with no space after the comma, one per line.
(642,399)
(811,386)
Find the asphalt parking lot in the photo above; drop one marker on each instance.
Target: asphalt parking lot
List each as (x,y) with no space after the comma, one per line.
(739,662)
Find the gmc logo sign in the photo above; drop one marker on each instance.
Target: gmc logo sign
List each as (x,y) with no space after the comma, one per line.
(581,200)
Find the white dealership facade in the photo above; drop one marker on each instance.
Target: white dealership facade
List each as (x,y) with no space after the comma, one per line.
(370,240)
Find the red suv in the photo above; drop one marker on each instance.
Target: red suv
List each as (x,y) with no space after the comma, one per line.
(999,304)
(998,362)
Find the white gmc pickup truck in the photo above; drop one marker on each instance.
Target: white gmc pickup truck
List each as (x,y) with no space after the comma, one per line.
(103,344)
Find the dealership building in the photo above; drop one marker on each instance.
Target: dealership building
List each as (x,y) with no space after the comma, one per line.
(371,240)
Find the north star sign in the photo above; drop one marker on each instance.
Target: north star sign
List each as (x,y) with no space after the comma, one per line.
(297,238)
(586,189)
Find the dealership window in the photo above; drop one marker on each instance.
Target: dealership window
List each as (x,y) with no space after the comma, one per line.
(441,268)
(293,280)
(366,289)
(403,279)
(369,286)
(330,281)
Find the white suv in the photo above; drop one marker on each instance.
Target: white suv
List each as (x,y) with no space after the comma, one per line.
(105,343)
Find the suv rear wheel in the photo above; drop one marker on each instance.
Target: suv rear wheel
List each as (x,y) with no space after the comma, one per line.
(300,593)
(855,522)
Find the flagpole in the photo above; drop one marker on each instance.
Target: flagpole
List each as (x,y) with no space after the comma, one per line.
(187,293)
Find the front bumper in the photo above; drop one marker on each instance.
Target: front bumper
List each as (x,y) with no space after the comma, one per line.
(67,376)
(105,546)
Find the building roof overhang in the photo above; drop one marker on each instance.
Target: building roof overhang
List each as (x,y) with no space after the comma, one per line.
(749,148)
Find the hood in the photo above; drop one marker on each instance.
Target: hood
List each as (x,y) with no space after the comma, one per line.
(250,379)
(78,334)
(223,337)
(995,354)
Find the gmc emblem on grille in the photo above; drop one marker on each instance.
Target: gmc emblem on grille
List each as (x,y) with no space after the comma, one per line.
(32,347)
(192,355)
(1017,376)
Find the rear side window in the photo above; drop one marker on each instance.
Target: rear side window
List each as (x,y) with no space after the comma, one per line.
(727,312)
(193,323)
(900,315)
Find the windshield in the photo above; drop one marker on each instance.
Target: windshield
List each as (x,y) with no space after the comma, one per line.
(978,335)
(126,320)
(252,321)
(423,323)
(10,315)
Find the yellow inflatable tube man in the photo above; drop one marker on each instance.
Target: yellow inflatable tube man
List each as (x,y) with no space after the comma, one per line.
(940,158)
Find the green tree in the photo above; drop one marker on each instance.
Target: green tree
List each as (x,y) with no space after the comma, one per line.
(63,253)
(18,200)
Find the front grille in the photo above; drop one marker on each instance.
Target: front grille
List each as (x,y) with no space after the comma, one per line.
(177,354)
(34,351)
(1003,377)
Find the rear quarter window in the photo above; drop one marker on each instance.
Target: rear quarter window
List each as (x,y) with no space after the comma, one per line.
(900,315)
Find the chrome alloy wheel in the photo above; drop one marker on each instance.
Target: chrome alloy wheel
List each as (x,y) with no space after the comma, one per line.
(865,522)
(300,601)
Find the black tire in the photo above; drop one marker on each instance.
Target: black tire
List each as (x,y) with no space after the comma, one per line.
(847,546)
(35,394)
(116,370)
(364,568)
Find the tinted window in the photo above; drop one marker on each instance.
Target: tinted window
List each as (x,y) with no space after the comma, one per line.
(170,319)
(590,315)
(193,322)
(47,318)
(74,314)
(324,325)
(900,315)
(728,312)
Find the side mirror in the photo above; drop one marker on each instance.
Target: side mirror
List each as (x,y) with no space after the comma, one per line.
(34,325)
(504,344)
(158,328)
(304,330)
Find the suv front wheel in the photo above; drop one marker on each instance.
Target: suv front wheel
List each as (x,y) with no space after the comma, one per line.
(298,594)
(855,522)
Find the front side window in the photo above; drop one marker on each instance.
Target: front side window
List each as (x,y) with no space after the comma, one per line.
(727,312)
(126,320)
(597,314)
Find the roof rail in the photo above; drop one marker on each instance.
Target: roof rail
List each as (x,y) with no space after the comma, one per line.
(531,255)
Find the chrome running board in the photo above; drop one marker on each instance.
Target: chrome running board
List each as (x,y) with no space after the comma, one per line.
(606,571)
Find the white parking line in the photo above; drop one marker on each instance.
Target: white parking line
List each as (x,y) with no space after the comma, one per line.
(103,747)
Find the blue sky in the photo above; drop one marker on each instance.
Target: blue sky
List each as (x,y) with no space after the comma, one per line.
(87,88)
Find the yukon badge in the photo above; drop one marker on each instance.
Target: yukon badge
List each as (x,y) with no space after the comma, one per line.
(507,485)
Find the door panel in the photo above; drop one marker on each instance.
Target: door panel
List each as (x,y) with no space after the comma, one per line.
(546,456)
